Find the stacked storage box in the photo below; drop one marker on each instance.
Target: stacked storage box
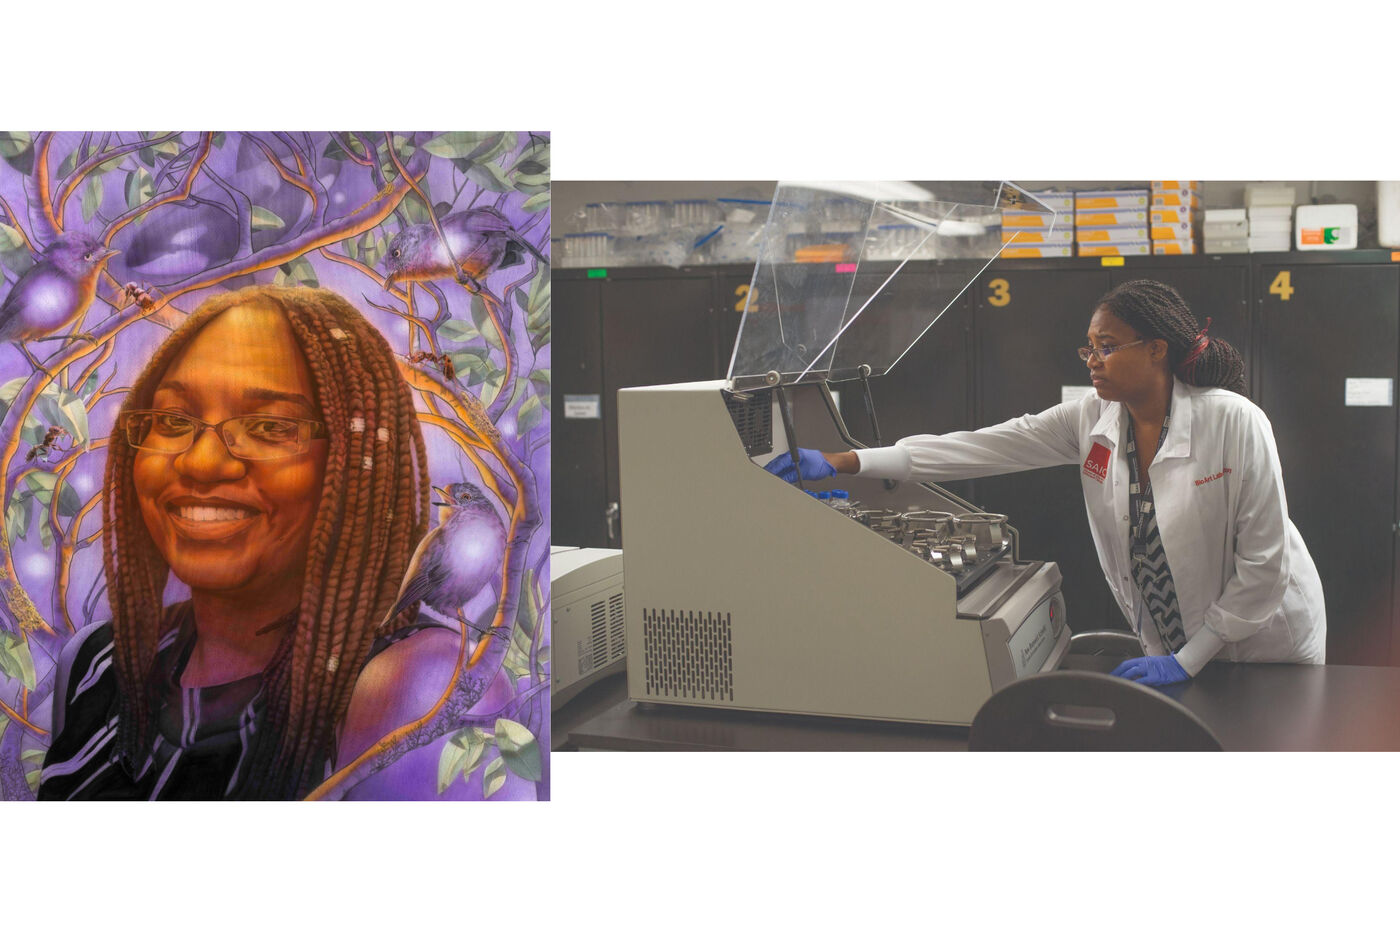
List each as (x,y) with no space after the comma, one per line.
(1270,217)
(1175,218)
(1028,234)
(1226,231)
(1112,223)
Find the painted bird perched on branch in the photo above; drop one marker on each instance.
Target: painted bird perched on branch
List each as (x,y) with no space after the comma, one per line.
(458,557)
(481,241)
(56,290)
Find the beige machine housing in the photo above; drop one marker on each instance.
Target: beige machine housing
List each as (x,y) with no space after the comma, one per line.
(744,592)
(586,618)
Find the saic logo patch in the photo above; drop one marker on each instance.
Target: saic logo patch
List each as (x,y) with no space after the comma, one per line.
(1096,464)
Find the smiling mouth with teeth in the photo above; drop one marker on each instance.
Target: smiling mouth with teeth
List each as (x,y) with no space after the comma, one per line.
(206,513)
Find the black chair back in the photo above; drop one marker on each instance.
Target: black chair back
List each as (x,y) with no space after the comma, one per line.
(1086,711)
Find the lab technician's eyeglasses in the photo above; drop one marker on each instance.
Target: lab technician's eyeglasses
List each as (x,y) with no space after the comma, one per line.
(1104,353)
(247,437)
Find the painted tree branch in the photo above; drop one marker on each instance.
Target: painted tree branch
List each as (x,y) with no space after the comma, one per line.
(75,178)
(179,194)
(41,181)
(15,715)
(13,221)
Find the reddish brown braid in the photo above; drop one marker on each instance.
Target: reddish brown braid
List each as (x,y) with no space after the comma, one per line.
(368,523)
(1158,312)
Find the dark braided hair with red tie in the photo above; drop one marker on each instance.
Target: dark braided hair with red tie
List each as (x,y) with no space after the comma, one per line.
(373,512)
(1158,312)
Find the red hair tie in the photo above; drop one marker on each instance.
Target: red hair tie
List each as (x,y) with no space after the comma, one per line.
(1187,369)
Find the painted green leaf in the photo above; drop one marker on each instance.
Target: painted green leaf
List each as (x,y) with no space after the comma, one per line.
(69,502)
(493,778)
(490,176)
(297,272)
(450,765)
(536,202)
(458,331)
(413,210)
(45,532)
(4,724)
(531,413)
(140,187)
(15,659)
(18,150)
(517,664)
(10,238)
(32,779)
(218,140)
(472,368)
(519,749)
(88,388)
(17,517)
(72,414)
(32,754)
(539,294)
(351,247)
(474,742)
(528,616)
(532,181)
(491,387)
(41,485)
(264,219)
(541,379)
(532,161)
(461,145)
(92,197)
(66,167)
(12,144)
(484,323)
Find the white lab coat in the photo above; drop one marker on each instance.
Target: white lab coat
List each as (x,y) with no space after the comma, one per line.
(1247,587)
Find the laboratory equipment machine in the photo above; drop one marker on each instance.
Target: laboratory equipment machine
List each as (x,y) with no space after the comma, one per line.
(847,597)
(586,622)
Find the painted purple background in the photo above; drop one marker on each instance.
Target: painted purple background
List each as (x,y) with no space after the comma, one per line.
(195,214)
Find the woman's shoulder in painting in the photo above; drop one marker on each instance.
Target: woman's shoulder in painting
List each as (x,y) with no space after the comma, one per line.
(400,683)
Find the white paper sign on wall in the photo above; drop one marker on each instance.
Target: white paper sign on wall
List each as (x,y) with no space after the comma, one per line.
(1370,393)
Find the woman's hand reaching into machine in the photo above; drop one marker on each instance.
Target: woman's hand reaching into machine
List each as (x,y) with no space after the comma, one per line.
(815,465)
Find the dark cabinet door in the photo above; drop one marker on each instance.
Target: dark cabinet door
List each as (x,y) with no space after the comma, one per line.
(929,388)
(1028,325)
(656,331)
(579,463)
(731,295)
(1320,326)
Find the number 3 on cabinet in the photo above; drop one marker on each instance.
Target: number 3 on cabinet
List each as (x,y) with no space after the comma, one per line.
(1000,295)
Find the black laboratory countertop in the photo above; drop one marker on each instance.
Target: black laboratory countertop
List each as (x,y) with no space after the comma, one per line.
(1250,707)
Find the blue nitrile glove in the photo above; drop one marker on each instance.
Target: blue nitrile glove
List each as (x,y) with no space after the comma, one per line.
(814,466)
(1152,671)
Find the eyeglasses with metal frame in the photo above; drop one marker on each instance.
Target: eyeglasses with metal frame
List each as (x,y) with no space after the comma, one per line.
(247,437)
(1104,353)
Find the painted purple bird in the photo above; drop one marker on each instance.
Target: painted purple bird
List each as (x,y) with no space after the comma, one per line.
(458,557)
(56,290)
(482,240)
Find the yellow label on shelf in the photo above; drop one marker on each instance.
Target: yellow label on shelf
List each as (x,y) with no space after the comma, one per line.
(1111,260)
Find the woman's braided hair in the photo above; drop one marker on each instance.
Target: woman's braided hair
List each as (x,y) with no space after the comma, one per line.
(1158,312)
(372,514)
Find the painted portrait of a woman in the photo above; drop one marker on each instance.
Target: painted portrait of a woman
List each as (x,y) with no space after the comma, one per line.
(269,458)
(274,465)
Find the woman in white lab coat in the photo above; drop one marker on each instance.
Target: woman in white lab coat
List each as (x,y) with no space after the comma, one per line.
(1181,480)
